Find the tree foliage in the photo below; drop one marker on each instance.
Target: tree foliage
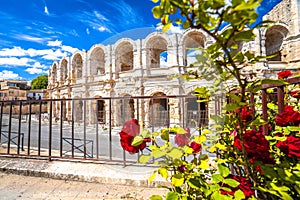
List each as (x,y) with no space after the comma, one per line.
(40,82)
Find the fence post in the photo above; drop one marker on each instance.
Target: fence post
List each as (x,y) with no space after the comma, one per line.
(264,110)
(280,99)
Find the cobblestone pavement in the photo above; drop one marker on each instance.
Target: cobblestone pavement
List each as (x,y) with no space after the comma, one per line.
(26,187)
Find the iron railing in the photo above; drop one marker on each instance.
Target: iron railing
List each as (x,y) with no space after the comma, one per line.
(88,128)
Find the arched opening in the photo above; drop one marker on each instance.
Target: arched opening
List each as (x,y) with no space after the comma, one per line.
(124,57)
(274,40)
(193,43)
(196,112)
(78,110)
(97,62)
(101,111)
(64,109)
(64,71)
(157,55)
(159,110)
(54,74)
(126,108)
(77,66)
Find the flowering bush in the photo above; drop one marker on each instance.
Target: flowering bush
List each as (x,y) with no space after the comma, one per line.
(258,157)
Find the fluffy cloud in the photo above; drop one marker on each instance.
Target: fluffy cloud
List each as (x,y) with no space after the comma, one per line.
(13,61)
(5,74)
(37,68)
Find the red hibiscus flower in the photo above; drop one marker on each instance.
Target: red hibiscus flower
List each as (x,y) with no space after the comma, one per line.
(291,146)
(183,139)
(130,129)
(244,186)
(288,117)
(196,147)
(256,146)
(284,74)
(295,94)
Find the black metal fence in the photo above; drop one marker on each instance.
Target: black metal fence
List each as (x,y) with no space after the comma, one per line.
(88,128)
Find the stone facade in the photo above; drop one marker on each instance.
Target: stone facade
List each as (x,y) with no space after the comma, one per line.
(134,67)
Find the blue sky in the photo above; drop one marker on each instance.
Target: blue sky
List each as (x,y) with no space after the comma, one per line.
(34,33)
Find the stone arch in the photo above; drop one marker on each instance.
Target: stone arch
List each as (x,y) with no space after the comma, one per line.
(54,72)
(159,110)
(99,106)
(233,42)
(63,70)
(97,61)
(77,66)
(196,112)
(275,36)
(191,41)
(78,109)
(155,44)
(123,50)
(126,108)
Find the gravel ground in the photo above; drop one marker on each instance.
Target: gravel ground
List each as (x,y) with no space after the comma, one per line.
(25,187)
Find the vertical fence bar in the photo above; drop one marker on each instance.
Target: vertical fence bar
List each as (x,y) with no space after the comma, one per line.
(1,113)
(252,109)
(97,136)
(9,127)
(50,130)
(29,128)
(110,129)
(264,110)
(84,129)
(61,128)
(40,128)
(73,112)
(152,114)
(280,97)
(19,127)
(183,111)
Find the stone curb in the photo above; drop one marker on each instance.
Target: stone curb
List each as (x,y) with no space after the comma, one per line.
(78,171)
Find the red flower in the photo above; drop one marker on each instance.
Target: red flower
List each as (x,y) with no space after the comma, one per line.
(291,146)
(182,168)
(130,129)
(183,139)
(295,94)
(244,186)
(288,117)
(196,147)
(284,74)
(256,146)
(246,113)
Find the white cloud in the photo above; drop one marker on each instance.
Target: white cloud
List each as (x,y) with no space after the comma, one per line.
(46,10)
(5,74)
(173,29)
(68,49)
(55,43)
(15,51)
(13,61)
(87,31)
(102,29)
(30,38)
(37,68)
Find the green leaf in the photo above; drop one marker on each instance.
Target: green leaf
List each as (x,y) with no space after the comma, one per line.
(178,130)
(165,135)
(163,172)
(137,141)
(293,128)
(194,183)
(155,1)
(224,171)
(172,196)
(175,153)
(204,164)
(231,182)
(144,158)
(239,194)
(157,12)
(177,180)
(152,177)
(244,5)
(145,133)
(231,106)
(156,197)
(217,178)
(274,82)
(158,153)
(245,35)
